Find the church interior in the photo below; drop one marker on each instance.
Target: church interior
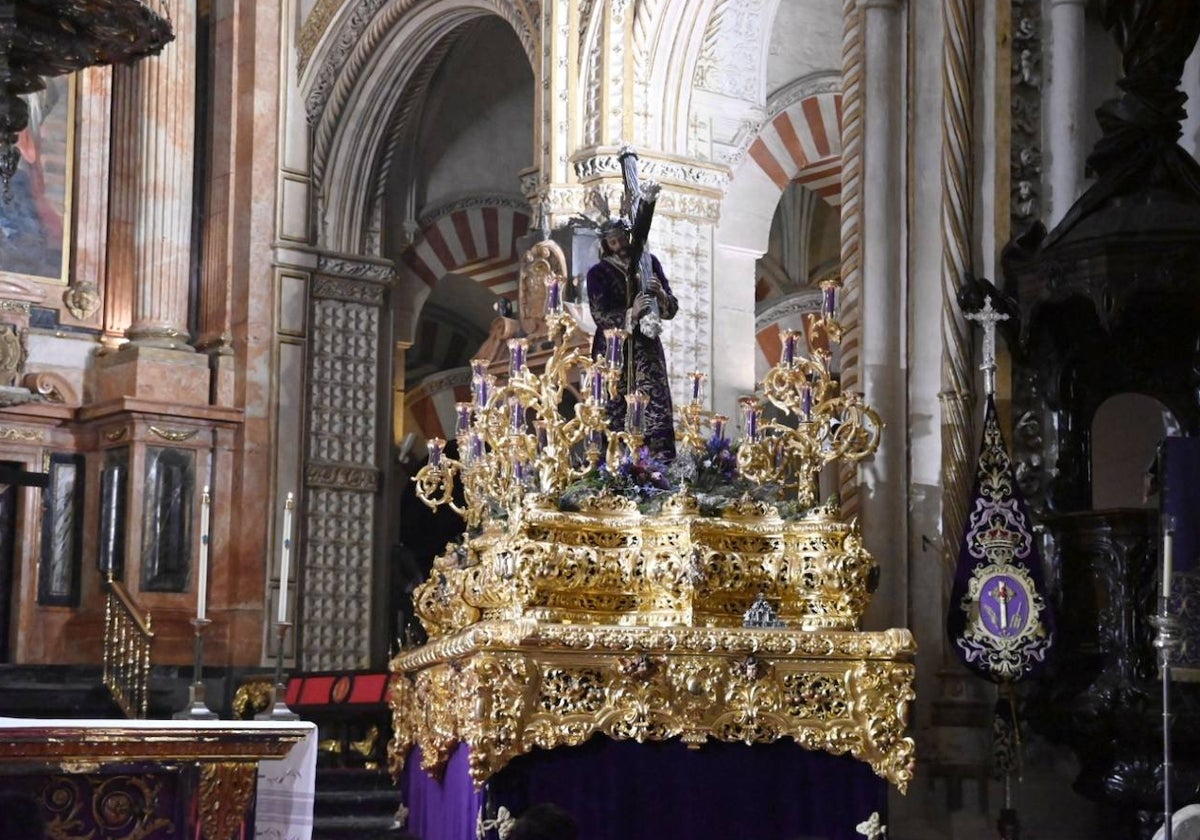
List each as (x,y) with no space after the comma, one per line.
(302,419)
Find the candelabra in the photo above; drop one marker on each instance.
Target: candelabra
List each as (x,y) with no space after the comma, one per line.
(693,417)
(514,440)
(830,425)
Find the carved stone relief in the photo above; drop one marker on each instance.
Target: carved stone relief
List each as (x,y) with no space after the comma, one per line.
(340,470)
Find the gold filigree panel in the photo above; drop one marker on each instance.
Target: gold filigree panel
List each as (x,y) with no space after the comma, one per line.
(504,688)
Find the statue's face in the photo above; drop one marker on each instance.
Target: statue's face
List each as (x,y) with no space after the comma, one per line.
(617,241)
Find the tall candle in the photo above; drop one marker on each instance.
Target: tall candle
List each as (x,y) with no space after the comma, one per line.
(285,560)
(789,347)
(554,296)
(434,445)
(635,408)
(518,414)
(597,383)
(517,348)
(464,420)
(750,411)
(697,378)
(1168,569)
(828,298)
(718,426)
(202,574)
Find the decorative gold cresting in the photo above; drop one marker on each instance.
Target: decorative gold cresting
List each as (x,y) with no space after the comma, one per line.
(550,625)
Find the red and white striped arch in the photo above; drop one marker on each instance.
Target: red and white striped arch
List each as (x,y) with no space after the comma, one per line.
(476,242)
(803,143)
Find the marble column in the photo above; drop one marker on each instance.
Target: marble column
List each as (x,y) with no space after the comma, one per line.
(1065,102)
(154,150)
(883,355)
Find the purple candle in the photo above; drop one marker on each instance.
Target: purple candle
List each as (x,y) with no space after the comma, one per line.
(616,344)
(750,412)
(519,471)
(477,448)
(697,378)
(789,347)
(463,409)
(806,400)
(718,426)
(435,451)
(518,414)
(554,296)
(828,298)
(635,414)
(598,384)
(517,348)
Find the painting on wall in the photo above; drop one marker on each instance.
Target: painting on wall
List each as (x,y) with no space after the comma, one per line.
(35,218)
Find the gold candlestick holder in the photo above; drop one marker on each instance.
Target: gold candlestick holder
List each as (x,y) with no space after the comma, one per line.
(279,709)
(196,708)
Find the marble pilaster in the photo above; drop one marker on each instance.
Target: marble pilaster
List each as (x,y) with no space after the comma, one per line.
(883,312)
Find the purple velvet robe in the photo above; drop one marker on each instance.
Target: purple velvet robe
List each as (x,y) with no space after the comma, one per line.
(610,300)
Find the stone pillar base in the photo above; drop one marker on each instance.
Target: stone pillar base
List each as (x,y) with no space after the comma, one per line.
(152,373)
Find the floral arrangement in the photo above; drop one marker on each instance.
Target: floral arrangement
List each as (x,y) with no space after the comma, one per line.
(641,477)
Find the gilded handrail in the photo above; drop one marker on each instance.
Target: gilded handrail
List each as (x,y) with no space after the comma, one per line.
(127,638)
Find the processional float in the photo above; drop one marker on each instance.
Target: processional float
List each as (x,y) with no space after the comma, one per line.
(598,592)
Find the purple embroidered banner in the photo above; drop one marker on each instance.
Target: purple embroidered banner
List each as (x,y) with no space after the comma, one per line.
(999,622)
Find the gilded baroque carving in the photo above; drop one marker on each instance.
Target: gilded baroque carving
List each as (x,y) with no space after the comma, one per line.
(252,697)
(174,435)
(506,687)
(82,300)
(16,433)
(116,433)
(225,791)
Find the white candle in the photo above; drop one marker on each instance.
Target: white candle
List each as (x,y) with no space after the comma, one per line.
(202,577)
(288,506)
(1168,560)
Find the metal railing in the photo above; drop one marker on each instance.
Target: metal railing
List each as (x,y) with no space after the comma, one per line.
(127,638)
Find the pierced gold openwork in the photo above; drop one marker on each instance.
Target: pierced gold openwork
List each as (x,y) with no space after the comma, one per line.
(548,626)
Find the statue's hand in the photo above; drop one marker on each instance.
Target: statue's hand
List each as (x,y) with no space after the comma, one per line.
(641,305)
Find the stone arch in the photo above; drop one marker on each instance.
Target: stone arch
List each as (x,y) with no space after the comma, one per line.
(476,238)
(801,141)
(357,79)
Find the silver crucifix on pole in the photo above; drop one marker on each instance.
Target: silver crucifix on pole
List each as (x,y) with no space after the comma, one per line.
(988,317)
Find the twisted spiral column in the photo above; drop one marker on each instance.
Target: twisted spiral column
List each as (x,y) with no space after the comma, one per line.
(956,397)
(851,224)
